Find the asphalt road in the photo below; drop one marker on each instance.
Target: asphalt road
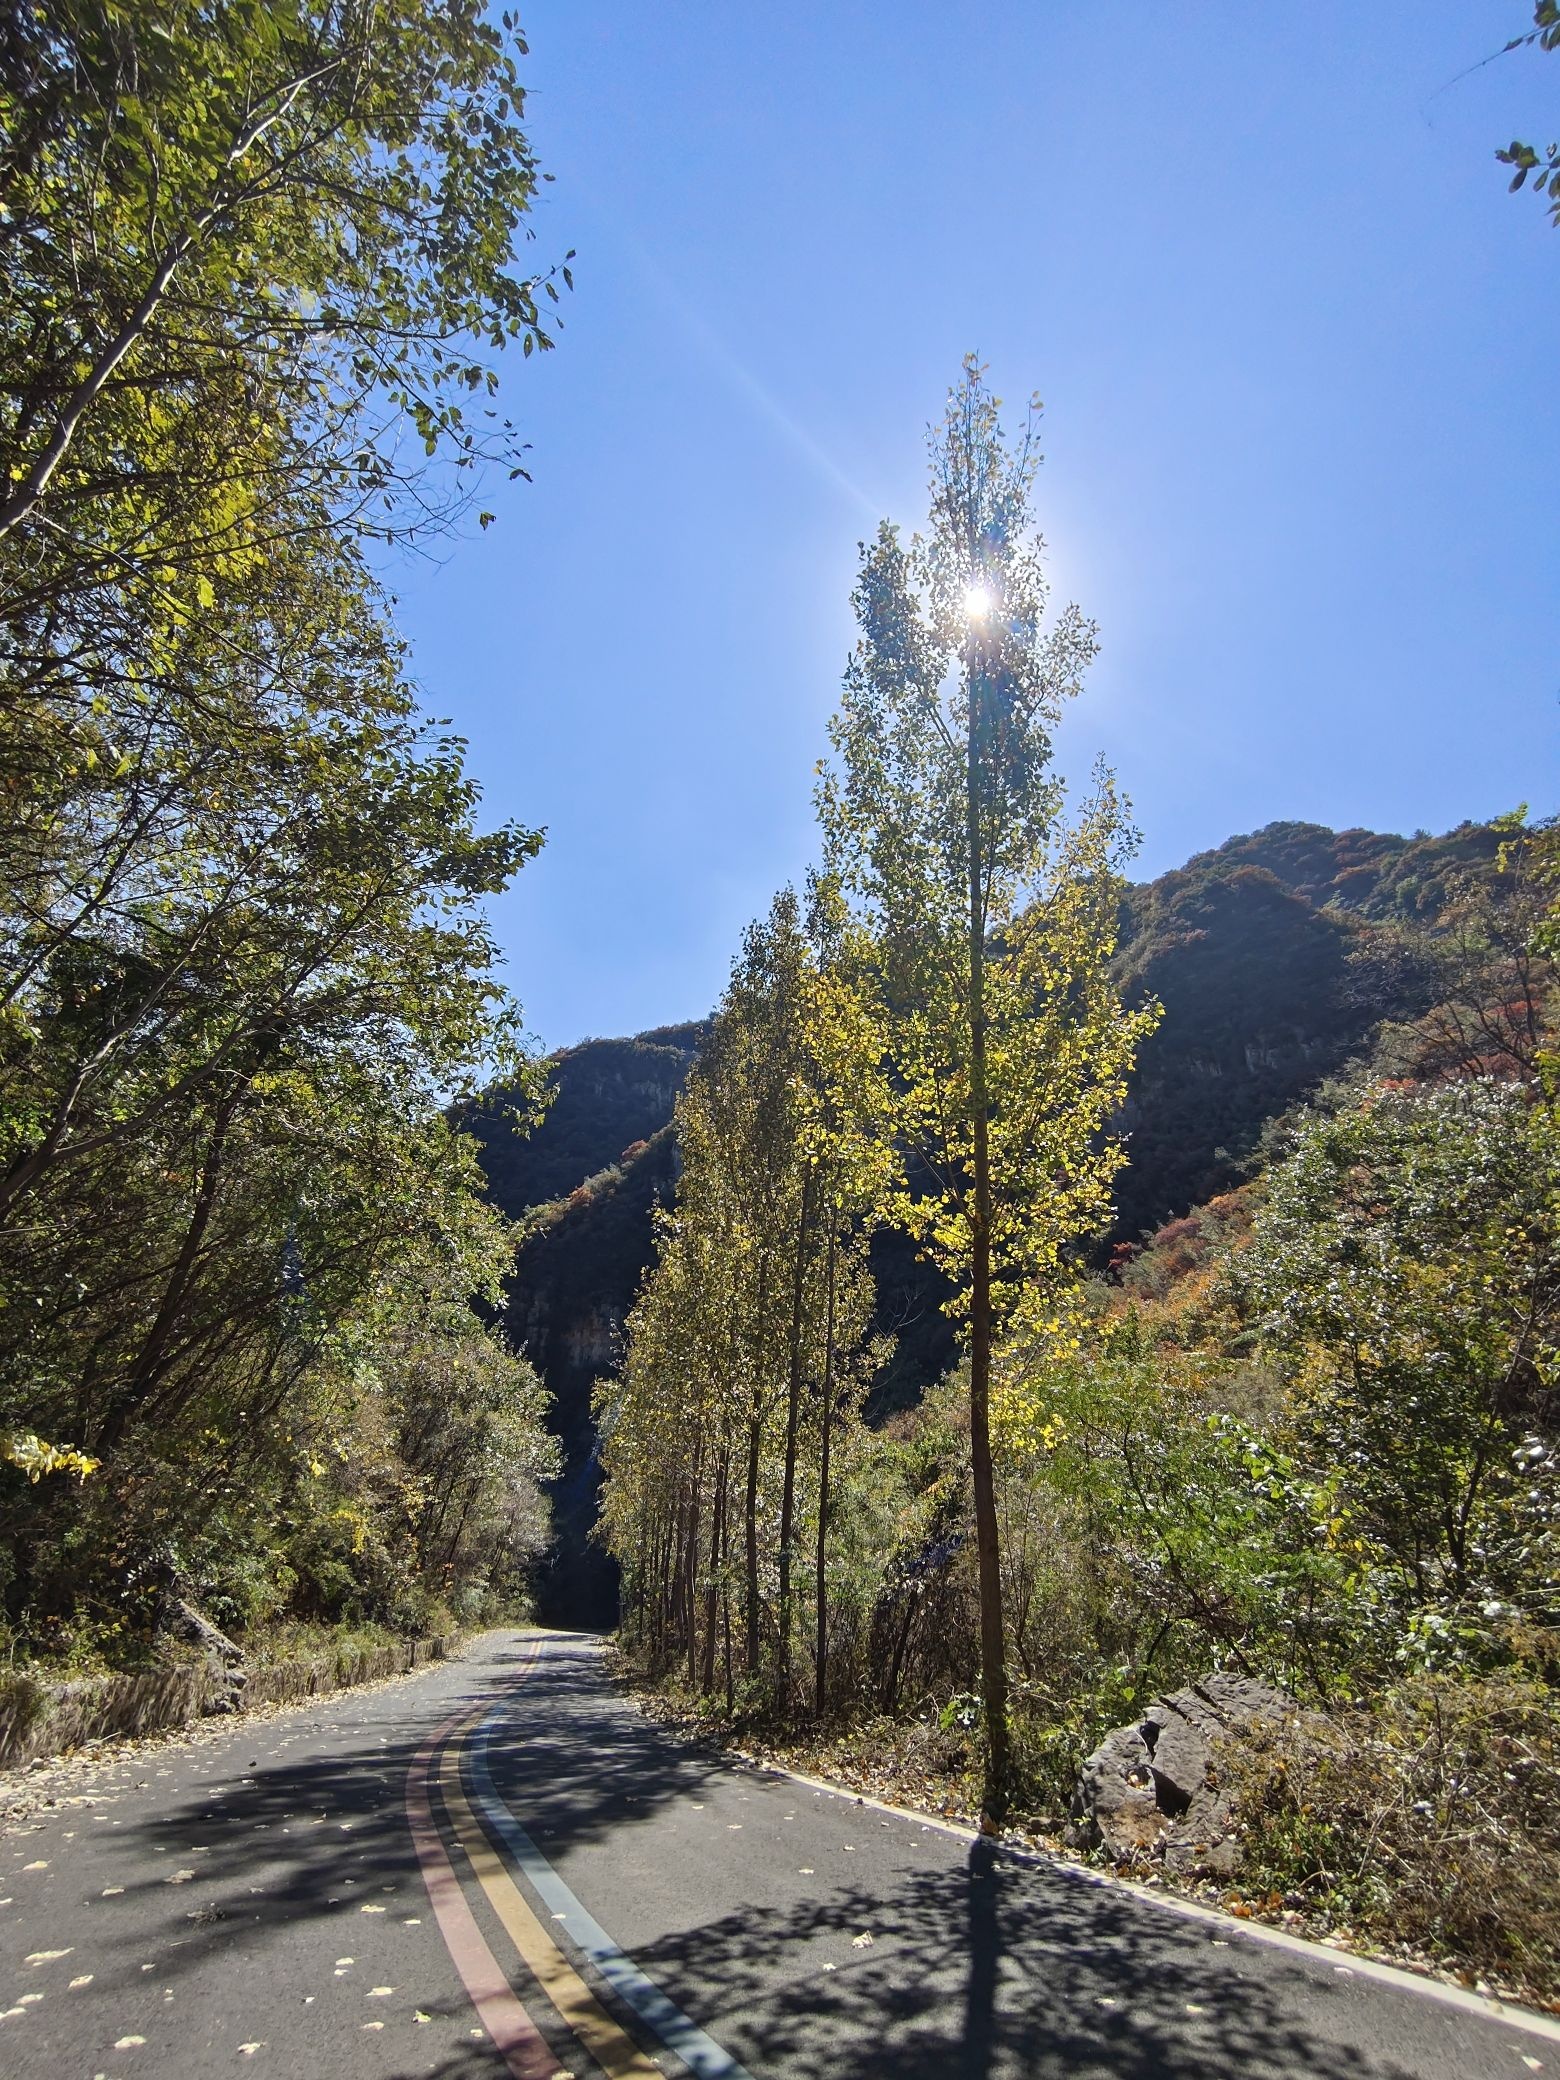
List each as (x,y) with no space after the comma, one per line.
(497,1866)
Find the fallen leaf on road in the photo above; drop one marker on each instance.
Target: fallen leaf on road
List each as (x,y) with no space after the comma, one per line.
(84,1980)
(178,1877)
(111,1891)
(47,1956)
(376,1993)
(127,2043)
(373,2025)
(1194,2008)
(806,1871)
(35,1866)
(828,1967)
(248,2050)
(418,2015)
(346,1960)
(371,1910)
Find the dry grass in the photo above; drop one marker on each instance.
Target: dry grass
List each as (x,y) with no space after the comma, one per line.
(1428,1826)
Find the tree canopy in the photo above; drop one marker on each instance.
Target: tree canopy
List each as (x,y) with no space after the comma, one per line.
(257,263)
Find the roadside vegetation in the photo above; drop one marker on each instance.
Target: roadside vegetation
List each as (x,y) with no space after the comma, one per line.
(257,266)
(1306,1432)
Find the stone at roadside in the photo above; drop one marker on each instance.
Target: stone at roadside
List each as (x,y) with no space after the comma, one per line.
(1155,1789)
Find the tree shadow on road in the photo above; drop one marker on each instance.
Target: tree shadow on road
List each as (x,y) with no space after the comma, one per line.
(983,1967)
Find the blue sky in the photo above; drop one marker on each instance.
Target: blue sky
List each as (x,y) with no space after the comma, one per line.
(1296,346)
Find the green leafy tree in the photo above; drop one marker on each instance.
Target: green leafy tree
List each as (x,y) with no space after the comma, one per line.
(1406,1264)
(292,223)
(1526,161)
(258,263)
(993,917)
(749,1340)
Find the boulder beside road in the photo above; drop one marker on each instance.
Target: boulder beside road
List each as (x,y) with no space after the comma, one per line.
(1156,1789)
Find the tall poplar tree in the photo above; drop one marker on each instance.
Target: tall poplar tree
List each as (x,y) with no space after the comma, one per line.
(750,1340)
(993,914)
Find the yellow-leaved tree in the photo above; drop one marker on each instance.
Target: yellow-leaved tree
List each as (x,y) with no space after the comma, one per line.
(992,916)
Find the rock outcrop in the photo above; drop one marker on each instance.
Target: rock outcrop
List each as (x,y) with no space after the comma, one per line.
(1156,1788)
(179,1619)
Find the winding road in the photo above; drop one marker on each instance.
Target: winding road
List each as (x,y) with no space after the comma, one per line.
(498,1866)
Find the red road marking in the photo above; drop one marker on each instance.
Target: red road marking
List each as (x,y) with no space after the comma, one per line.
(524,2048)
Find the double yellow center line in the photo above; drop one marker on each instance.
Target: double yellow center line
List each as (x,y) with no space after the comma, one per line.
(478,1831)
(558,1979)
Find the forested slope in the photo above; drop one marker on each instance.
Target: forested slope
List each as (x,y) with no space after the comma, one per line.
(1276,955)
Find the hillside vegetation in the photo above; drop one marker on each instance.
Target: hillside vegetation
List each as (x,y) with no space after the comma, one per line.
(1277,956)
(1305,1430)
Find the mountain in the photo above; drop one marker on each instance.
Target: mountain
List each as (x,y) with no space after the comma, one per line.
(1276,955)
(585,1182)
(606,1097)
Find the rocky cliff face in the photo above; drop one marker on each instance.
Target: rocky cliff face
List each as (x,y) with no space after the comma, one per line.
(573,1283)
(607,1096)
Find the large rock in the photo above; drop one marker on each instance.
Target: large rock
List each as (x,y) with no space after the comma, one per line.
(179,1618)
(1154,1788)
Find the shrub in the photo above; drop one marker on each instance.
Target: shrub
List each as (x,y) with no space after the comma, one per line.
(1430,1822)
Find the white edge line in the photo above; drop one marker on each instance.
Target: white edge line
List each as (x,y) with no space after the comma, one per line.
(1486,2006)
(694,2046)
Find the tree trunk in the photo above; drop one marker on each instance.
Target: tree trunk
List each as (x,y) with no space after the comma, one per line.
(755,1445)
(793,1405)
(725,1614)
(750,1614)
(640,1587)
(717,1561)
(822,1686)
(691,1578)
(992,1645)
